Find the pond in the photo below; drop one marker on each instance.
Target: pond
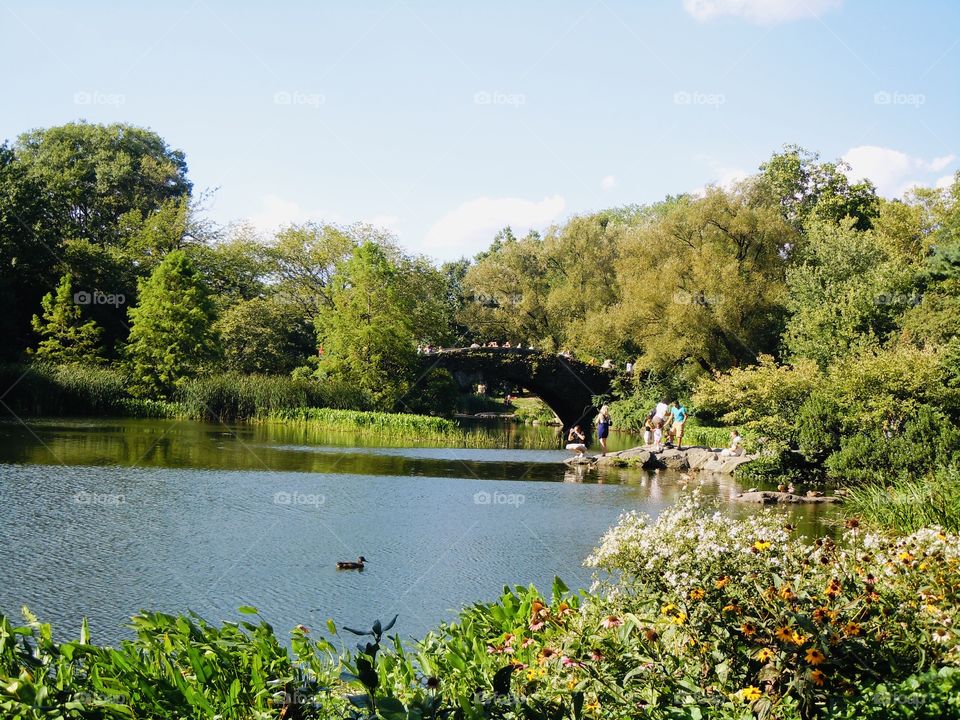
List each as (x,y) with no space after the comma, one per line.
(101,518)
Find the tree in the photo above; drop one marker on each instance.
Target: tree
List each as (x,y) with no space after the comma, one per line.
(367,331)
(703,283)
(66,337)
(171,334)
(805,188)
(266,336)
(845,293)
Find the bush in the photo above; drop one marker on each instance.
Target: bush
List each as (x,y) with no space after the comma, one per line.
(819,426)
(928,440)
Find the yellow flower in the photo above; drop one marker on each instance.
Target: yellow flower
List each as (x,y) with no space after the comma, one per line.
(591,706)
(696,594)
(667,609)
(798,639)
(751,693)
(851,629)
(906,557)
(815,657)
(833,588)
(571,684)
(784,634)
(786,593)
(679,619)
(818,676)
(748,629)
(761,545)
(764,654)
(729,608)
(722,583)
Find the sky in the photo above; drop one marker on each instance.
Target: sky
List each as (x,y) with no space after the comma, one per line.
(442,122)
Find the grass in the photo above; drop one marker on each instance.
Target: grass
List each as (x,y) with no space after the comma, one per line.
(533,409)
(909,504)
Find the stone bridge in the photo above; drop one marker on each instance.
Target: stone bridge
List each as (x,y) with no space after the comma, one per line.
(566,385)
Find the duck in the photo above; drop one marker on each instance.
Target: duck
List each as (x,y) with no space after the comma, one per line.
(347,565)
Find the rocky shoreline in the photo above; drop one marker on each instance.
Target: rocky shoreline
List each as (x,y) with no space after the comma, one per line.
(689,458)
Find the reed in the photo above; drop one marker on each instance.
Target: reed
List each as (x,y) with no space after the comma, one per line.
(908,504)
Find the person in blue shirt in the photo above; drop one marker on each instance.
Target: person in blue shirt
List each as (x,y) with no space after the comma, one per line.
(679,413)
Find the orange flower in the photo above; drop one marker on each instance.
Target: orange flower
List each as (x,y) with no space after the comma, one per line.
(818,677)
(815,657)
(697,594)
(748,629)
(722,583)
(786,593)
(730,608)
(833,588)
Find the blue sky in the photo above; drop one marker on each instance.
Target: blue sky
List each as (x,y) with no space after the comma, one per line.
(445,121)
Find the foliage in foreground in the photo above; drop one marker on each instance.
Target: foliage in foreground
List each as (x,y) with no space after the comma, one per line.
(702,615)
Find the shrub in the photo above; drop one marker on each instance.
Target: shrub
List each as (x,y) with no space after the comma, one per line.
(44,389)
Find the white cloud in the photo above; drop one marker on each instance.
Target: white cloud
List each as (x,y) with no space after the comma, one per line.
(276,212)
(892,171)
(724,176)
(944,182)
(608,183)
(470,227)
(761,12)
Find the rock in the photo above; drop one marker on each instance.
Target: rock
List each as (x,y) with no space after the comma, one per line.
(673,459)
(769,497)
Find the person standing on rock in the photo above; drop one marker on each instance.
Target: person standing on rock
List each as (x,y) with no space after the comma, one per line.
(647,428)
(659,420)
(603,428)
(679,413)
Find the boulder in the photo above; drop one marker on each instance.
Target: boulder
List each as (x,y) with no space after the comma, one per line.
(769,497)
(673,459)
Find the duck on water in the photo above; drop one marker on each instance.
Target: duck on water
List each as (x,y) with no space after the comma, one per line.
(348,565)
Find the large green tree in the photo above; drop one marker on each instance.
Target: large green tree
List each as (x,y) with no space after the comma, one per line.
(367,332)
(66,336)
(171,334)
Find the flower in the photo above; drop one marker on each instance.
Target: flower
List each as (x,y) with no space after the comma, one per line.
(798,639)
(822,615)
(667,609)
(784,634)
(538,609)
(730,608)
(748,629)
(596,656)
(751,693)
(906,557)
(651,635)
(546,654)
(761,545)
(722,583)
(679,619)
(527,643)
(940,635)
(433,683)
(697,594)
(833,588)
(815,657)
(611,621)
(538,625)
(764,654)
(852,523)
(564,609)
(851,629)
(303,628)
(818,676)
(786,593)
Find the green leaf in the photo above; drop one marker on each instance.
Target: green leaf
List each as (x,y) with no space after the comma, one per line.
(248,610)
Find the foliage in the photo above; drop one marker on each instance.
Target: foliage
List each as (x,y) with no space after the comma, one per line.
(47,389)
(533,409)
(170,334)
(908,503)
(66,337)
(264,336)
(227,397)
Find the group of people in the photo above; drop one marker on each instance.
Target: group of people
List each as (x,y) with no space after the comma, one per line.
(665,419)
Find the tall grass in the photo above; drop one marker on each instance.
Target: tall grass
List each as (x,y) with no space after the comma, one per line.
(908,504)
(42,389)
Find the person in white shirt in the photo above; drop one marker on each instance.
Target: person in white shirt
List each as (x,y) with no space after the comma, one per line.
(736,445)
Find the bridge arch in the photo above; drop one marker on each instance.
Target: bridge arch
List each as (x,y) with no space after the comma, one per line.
(566,385)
